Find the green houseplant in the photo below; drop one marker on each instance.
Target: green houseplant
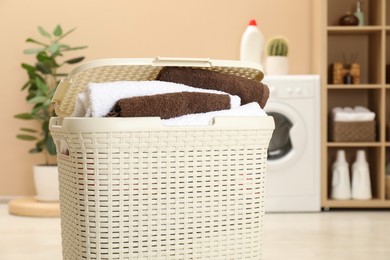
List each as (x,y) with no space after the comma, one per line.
(277,51)
(43,78)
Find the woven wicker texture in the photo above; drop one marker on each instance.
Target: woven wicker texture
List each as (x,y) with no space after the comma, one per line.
(174,194)
(133,189)
(354,131)
(129,73)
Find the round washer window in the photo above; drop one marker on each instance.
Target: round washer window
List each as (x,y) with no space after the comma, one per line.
(280,144)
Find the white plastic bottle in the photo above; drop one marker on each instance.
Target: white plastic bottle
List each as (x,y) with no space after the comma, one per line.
(361,183)
(341,184)
(252,44)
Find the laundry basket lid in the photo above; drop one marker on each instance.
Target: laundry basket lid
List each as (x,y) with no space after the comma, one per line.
(108,70)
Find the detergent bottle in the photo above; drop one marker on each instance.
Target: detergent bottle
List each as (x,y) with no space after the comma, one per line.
(361,183)
(341,184)
(252,44)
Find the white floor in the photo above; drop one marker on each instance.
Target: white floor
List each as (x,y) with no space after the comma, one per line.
(317,236)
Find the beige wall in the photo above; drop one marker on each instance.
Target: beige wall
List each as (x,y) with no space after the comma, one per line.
(128,28)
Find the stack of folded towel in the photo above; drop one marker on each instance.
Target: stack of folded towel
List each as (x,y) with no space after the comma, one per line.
(356,114)
(179,96)
(102,99)
(248,90)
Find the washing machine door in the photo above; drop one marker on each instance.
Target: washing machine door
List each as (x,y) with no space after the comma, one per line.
(288,141)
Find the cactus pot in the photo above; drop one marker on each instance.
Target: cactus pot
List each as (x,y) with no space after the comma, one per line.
(276,65)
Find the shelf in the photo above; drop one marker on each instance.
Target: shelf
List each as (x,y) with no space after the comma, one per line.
(357,47)
(373,203)
(372,10)
(354,29)
(367,48)
(356,86)
(348,97)
(371,144)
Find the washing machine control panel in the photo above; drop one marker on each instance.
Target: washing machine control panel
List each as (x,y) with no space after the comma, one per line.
(291,88)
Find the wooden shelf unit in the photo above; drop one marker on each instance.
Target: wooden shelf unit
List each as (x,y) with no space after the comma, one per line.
(372,44)
(354,86)
(373,203)
(368,144)
(348,30)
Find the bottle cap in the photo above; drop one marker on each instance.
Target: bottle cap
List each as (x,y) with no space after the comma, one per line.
(252,22)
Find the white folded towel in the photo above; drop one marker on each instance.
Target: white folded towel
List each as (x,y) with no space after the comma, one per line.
(250,109)
(97,99)
(349,110)
(347,114)
(361,109)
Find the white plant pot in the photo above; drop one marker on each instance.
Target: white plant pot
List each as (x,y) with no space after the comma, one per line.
(276,65)
(46,183)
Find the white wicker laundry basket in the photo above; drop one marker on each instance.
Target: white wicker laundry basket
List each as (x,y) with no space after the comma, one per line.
(131,188)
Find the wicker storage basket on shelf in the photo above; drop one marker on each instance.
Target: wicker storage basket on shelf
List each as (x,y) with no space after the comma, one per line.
(353,131)
(131,188)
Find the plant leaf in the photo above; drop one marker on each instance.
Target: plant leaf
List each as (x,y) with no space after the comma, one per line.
(36,108)
(26,85)
(66,34)
(39,145)
(50,146)
(37,42)
(47,102)
(57,31)
(35,100)
(32,73)
(75,48)
(42,86)
(43,68)
(29,130)
(28,67)
(43,32)
(32,92)
(35,150)
(74,60)
(45,126)
(33,50)
(42,57)
(60,74)
(54,47)
(48,61)
(64,46)
(25,116)
(26,137)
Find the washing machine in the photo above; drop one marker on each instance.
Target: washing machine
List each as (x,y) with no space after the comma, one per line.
(293,174)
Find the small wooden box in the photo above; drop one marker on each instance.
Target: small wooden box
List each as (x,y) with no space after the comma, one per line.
(338,70)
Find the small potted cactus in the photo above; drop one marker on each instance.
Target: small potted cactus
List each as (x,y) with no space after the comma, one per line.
(276,61)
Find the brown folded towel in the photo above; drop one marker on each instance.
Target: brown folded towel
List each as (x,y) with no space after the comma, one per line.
(248,90)
(170,105)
